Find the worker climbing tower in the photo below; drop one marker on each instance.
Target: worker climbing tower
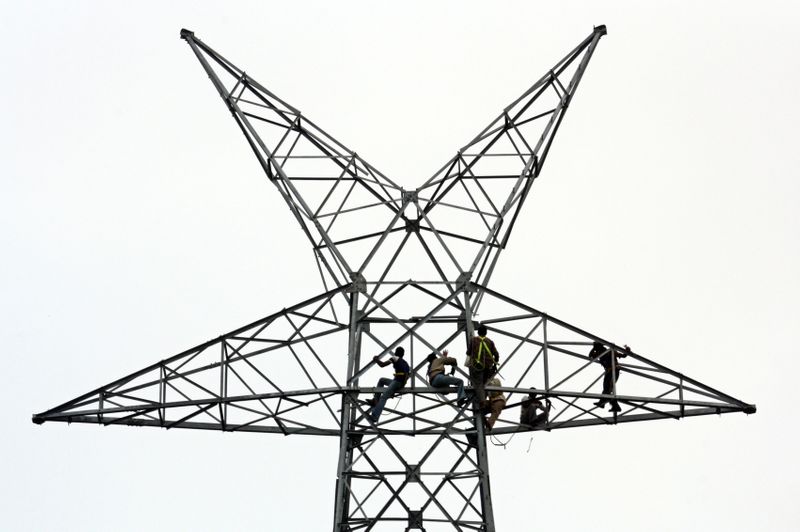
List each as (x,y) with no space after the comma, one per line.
(399,268)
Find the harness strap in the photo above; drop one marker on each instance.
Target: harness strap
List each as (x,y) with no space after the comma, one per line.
(480,351)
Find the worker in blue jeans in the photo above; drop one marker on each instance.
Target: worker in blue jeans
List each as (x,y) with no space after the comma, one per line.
(439,379)
(401,372)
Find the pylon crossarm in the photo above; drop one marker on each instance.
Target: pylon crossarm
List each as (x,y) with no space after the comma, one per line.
(574,337)
(279,374)
(253,366)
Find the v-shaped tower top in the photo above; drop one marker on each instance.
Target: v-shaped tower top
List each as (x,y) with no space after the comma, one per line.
(461,217)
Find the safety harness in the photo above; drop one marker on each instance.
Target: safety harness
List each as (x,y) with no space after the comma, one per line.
(477,361)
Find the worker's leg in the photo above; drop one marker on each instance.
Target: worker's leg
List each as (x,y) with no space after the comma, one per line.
(441,380)
(392,387)
(608,386)
(497,408)
(382,382)
(614,404)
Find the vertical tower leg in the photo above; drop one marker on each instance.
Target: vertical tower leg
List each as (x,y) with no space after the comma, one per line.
(483,472)
(480,436)
(347,420)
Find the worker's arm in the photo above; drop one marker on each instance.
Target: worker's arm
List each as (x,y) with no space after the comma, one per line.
(382,363)
(495,354)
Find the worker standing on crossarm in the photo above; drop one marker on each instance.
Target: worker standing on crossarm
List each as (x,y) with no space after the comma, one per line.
(437,377)
(401,372)
(608,358)
(482,360)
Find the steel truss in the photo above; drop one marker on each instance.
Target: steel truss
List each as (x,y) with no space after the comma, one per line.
(300,370)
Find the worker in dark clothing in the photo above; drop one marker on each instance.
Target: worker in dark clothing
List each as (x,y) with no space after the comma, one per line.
(401,372)
(608,358)
(529,408)
(482,360)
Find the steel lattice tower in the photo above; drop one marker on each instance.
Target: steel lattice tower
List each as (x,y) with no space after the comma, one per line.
(301,370)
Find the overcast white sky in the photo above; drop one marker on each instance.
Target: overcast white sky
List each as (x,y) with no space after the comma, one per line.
(135,222)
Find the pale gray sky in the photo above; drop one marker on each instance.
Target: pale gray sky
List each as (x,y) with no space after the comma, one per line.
(136,223)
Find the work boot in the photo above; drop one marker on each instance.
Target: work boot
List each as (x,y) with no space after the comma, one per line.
(616,408)
(600,404)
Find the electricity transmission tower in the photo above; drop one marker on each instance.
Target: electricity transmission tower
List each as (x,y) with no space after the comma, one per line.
(399,267)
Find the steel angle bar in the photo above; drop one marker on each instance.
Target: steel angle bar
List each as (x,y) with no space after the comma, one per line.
(341,204)
(308,319)
(313,351)
(378,304)
(483,215)
(634,407)
(381,279)
(455,303)
(469,175)
(383,236)
(518,123)
(254,368)
(190,381)
(311,380)
(521,342)
(314,317)
(653,410)
(267,413)
(357,238)
(438,237)
(293,127)
(438,268)
(193,414)
(122,420)
(527,369)
(575,399)
(187,398)
(339,179)
(475,209)
(509,155)
(261,118)
(680,377)
(583,411)
(515,317)
(142,401)
(574,373)
(458,236)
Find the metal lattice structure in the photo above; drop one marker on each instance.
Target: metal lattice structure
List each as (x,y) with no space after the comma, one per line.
(417,275)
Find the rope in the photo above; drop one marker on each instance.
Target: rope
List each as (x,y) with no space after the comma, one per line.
(496,441)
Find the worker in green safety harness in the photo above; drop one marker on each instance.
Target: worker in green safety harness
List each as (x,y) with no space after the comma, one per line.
(482,360)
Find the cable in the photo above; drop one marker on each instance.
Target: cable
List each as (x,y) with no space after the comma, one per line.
(493,439)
